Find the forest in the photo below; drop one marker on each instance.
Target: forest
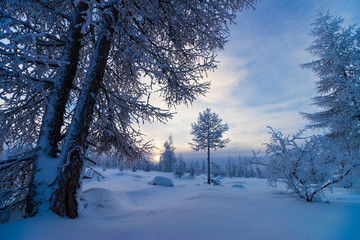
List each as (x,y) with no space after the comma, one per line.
(77,82)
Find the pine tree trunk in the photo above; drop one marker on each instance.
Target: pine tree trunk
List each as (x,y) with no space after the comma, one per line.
(208,158)
(208,153)
(54,113)
(64,198)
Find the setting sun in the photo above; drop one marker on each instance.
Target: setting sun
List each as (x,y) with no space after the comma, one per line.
(156,158)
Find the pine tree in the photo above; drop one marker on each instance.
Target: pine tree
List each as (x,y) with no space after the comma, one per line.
(167,158)
(338,68)
(192,169)
(180,167)
(203,166)
(208,134)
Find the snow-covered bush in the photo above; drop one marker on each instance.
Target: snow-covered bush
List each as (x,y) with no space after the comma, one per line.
(307,165)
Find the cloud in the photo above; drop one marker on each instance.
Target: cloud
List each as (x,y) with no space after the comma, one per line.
(231,71)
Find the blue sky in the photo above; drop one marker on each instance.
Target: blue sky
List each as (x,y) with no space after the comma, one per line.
(258,81)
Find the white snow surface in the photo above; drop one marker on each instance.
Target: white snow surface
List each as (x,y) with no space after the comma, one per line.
(127,206)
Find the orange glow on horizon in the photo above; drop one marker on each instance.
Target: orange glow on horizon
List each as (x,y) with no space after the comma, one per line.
(156,158)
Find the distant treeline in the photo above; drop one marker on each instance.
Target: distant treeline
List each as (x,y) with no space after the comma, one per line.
(240,167)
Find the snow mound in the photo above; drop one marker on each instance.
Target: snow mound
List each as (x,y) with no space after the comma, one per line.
(237,186)
(96,197)
(162,181)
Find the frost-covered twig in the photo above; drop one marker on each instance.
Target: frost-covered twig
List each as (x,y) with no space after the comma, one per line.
(90,173)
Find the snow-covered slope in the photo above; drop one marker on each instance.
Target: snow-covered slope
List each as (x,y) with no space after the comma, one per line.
(127,206)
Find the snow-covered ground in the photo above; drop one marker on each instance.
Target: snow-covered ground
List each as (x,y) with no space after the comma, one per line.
(126,206)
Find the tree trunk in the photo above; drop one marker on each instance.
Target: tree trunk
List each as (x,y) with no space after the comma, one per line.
(54,114)
(208,158)
(208,153)
(64,198)
(59,96)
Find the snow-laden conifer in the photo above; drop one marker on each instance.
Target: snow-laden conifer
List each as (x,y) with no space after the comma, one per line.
(337,66)
(180,166)
(338,69)
(167,157)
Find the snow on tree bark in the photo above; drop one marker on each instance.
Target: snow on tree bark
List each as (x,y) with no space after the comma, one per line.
(64,199)
(63,84)
(54,114)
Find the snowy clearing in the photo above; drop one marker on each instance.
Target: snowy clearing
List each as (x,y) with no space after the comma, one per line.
(127,206)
